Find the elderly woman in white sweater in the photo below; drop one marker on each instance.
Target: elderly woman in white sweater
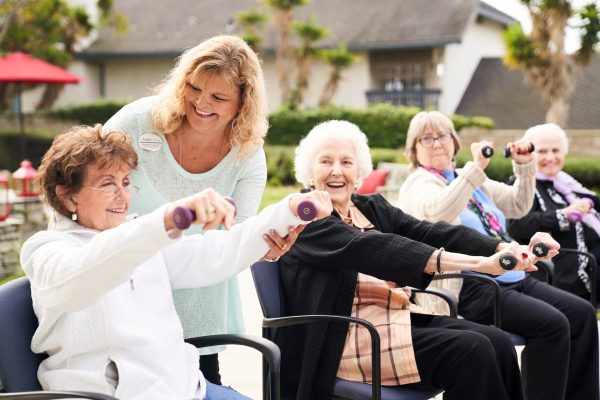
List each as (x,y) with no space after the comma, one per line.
(561,358)
(101,286)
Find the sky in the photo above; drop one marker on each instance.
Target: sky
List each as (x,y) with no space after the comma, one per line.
(517,10)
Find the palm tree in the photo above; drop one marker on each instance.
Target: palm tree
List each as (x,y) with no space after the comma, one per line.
(309,33)
(339,59)
(283,58)
(252,22)
(542,56)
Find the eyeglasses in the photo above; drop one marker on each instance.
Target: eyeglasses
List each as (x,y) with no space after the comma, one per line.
(112,189)
(443,138)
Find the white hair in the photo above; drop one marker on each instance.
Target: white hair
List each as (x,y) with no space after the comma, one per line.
(340,130)
(532,133)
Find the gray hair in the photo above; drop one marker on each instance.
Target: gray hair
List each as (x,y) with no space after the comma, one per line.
(341,130)
(532,133)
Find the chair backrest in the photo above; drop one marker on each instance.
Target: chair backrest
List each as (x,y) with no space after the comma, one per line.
(266,280)
(18,364)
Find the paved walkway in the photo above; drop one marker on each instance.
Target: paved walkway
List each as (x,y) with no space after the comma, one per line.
(241,367)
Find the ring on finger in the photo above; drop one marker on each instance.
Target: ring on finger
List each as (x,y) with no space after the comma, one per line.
(284,246)
(211,210)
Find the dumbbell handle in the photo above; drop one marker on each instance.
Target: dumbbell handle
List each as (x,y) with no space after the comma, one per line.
(508,261)
(576,215)
(184,216)
(507,151)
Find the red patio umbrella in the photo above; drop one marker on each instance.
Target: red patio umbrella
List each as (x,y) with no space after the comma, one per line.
(22,68)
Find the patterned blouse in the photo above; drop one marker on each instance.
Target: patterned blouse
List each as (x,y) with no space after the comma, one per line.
(381,303)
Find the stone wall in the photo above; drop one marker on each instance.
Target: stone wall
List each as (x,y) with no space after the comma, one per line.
(27,217)
(582,142)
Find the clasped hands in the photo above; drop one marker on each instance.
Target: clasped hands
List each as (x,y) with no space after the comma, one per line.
(526,259)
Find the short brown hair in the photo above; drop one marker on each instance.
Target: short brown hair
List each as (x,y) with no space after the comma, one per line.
(422,122)
(65,162)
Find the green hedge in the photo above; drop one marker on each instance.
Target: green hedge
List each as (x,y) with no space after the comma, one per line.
(585,169)
(280,162)
(90,113)
(36,145)
(384,124)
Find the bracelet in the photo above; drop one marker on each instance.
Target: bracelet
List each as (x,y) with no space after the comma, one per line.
(274,259)
(438,260)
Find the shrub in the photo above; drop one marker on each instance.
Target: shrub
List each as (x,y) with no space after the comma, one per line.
(89,113)
(36,145)
(280,162)
(385,125)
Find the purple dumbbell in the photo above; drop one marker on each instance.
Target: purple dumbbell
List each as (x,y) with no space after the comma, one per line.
(306,210)
(184,216)
(576,215)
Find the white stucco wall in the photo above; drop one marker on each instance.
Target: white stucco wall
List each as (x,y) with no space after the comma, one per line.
(133,78)
(481,39)
(351,91)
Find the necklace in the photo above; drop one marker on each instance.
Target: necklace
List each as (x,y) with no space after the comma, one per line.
(219,154)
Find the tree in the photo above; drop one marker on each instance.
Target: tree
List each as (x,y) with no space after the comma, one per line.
(309,33)
(339,59)
(284,57)
(50,30)
(252,23)
(542,56)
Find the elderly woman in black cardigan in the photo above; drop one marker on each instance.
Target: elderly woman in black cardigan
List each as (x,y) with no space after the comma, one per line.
(558,196)
(359,261)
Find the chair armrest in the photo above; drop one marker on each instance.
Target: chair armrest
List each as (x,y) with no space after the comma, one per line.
(51,395)
(444,294)
(375,340)
(483,278)
(593,263)
(269,350)
(547,267)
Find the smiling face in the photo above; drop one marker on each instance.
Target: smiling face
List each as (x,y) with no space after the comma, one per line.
(97,209)
(335,171)
(549,154)
(211,104)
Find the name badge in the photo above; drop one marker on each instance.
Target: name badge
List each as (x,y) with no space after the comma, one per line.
(150,142)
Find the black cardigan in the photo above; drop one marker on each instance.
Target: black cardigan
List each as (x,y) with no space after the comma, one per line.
(546,221)
(318,276)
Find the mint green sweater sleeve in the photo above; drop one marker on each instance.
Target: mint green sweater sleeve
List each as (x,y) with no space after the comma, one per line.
(215,309)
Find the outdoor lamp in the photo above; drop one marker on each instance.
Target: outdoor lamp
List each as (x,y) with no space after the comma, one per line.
(23,180)
(4,198)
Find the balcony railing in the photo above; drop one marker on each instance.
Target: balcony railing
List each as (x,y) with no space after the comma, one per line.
(424,98)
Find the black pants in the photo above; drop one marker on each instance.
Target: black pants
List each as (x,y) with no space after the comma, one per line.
(560,360)
(466,359)
(209,365)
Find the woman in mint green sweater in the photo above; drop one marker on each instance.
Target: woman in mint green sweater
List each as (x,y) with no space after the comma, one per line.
(205,128)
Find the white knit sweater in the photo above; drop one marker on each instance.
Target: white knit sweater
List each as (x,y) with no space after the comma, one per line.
(426,196)
(103,300)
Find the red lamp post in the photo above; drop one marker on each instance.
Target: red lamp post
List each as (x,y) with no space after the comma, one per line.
(24,177)
(4,198)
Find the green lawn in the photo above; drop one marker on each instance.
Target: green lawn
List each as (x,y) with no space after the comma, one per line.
(10,278)
(274,194)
